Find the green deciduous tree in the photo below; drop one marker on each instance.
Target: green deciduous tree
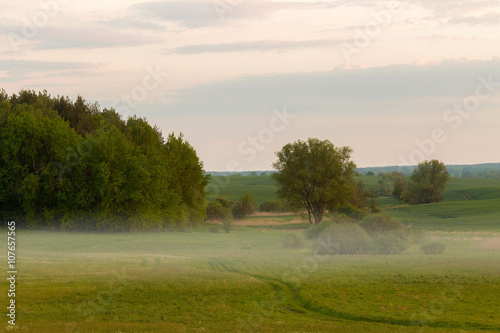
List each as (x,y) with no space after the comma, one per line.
(33,147)
(314,175)
(428,182)
(67,164)
(397,184)
(191,178)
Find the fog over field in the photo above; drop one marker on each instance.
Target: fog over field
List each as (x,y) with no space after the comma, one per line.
(250,166)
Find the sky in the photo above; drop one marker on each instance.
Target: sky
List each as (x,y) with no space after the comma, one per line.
(397,81)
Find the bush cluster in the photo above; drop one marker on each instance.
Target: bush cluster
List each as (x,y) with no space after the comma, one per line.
(272,206)
(316,230)
(343,238)
(376,234)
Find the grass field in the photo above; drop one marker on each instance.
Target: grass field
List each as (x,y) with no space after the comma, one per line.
(246,281)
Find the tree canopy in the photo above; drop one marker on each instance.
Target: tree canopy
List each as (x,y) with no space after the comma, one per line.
(428,182)
(67,164)
(314,175)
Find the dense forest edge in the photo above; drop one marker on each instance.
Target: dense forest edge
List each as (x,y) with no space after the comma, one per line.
(70,165)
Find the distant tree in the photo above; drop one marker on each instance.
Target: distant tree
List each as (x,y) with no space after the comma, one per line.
(253,173)
(273,206)
(226,203)
(359,195)
(370,173)
(492,175)
(397,184)
(374,206)
(314,175)
(215,211)
(263,173)
(244,207)
(384,188)
(468,174)
(428,182)
(220,210)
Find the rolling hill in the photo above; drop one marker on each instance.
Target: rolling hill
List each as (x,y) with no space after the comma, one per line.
(469,204)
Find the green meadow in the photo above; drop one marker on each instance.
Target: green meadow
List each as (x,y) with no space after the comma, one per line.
(245,281)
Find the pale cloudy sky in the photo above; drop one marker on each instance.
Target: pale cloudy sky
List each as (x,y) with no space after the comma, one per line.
(397,81)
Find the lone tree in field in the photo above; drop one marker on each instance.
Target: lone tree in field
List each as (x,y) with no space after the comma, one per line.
(314,175)
(428,182)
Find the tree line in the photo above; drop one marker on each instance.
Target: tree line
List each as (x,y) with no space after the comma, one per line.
(68,164)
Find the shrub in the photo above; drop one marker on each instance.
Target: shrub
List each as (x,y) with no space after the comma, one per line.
(314,231)
(243,207)
(273,206)
(353,212)
(294,241)
(343,238)
(377,224)
(226,203)
(239,211)
(215,211)
(433,247)
(388,244)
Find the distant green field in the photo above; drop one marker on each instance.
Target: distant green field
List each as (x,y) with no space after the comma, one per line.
(459,189)
(472,215)
(263,188)
(469,204)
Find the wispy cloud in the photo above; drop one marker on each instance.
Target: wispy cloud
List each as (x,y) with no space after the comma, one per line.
(199,13)
(195,13)
(88,38)
(20,69)
(487,19)
(358,90)
(131,23)
(264,45)
(451,8)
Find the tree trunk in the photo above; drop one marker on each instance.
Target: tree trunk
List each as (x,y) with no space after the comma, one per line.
(309,214)
(317,213)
